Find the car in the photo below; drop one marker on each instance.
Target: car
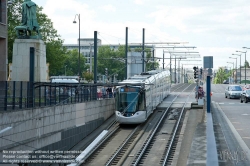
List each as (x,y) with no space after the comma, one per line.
(225,82)
(246,87)
(233,91)
(245,96)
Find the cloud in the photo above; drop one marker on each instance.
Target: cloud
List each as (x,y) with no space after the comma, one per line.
(139,2)
(109,8)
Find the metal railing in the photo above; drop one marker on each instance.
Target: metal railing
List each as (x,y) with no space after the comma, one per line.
(17,95)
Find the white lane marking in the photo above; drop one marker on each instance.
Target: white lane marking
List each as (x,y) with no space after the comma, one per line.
(244,114)
(221,103)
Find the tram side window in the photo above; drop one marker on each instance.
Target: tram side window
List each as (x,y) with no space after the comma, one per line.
(141,102)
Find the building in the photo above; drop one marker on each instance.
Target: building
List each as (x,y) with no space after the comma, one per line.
(3,40)
(87,48)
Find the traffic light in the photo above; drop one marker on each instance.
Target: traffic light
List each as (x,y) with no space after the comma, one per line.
(195,72)
(200,71)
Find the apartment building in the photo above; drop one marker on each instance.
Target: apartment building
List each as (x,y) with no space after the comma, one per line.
(87,47)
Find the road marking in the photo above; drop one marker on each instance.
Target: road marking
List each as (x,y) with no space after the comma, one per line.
(245,114)
(230,103)
(221,103)
(246,137)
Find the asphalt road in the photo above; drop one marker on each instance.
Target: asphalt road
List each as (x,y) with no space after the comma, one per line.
(232,127)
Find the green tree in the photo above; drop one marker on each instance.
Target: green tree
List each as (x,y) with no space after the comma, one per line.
(88,76)
(221,75)
(71,60)
(111,59)
(55,52)
(150,64)
(246,64)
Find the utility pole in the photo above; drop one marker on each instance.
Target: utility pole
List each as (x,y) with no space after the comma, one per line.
(126,54)
(143,43)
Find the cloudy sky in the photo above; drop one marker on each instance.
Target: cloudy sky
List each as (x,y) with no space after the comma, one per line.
(215,28)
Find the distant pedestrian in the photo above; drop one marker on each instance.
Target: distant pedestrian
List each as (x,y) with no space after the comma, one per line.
(200,93)
(109,92)
(103,90)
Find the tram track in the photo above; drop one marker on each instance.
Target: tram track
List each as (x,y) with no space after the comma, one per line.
(137,145)
(160,145)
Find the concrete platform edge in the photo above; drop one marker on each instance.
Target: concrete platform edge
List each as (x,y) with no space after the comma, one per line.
(236,134)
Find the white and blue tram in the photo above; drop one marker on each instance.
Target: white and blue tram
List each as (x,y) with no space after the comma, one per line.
(138,96)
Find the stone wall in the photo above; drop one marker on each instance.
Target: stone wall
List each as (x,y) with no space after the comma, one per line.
(52,128)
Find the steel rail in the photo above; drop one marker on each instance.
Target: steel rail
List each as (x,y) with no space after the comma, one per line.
(154,131)
(121,147)
(174,134)
(98,145)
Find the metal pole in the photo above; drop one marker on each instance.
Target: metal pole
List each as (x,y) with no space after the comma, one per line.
(163,60)
(170,69)
(143,42)
(245,69)
(126,54)
(95,57)
(153,59)
(208,93)
(79,71)
(31,77)
(179,71)
(233,72)
(240,68)
(175,70)
(90,60)
(236,72)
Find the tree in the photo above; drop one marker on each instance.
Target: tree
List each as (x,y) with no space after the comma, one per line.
(71,60)
(55,52)
(246,64)
(221,75)
(113,60)
(150,64)
(88,76)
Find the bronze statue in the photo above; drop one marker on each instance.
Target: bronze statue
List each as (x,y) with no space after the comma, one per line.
(29,21)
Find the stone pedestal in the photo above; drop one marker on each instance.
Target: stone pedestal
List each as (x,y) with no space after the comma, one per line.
(21,59)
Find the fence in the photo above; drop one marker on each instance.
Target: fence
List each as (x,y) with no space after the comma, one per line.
(15,95)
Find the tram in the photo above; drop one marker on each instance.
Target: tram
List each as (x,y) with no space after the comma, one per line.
(138,96)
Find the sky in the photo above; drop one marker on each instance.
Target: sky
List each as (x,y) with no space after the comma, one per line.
(215,28)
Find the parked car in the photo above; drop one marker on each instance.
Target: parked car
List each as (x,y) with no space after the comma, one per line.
(245,96)
(225,82)
(233,91)
(247,86)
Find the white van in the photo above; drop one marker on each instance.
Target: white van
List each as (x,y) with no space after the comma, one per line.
(67,81)
(59,80)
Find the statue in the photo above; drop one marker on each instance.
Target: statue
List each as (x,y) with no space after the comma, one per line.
(29,21)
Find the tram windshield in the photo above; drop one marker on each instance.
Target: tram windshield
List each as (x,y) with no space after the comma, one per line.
(129,100)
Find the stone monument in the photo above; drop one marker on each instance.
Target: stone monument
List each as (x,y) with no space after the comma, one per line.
(28,35)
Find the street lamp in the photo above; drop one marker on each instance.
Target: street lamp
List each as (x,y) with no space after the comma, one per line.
(65,70)
(245,62)
(235,69)
(78,15)
(240,64)
(231,63)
